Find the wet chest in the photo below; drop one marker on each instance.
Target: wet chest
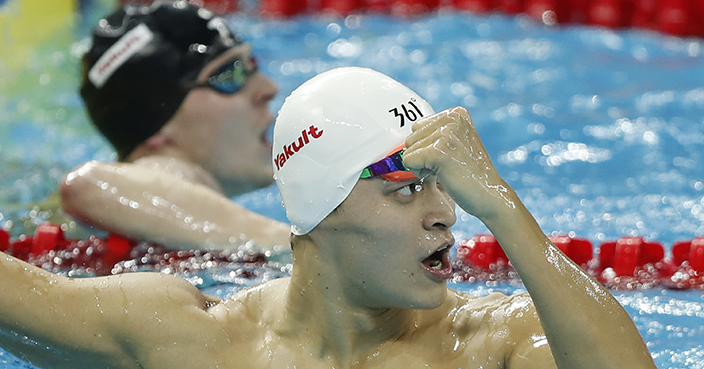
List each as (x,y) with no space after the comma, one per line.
(390,356)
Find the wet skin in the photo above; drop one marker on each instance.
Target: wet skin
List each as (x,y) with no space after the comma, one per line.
(325,315)
(229,140)
(319,318)
(382,232)
(176,187)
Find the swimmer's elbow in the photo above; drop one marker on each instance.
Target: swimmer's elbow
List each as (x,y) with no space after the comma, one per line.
(80,189)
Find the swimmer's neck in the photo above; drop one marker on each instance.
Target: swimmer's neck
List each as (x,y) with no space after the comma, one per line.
(332,326)
(181,167)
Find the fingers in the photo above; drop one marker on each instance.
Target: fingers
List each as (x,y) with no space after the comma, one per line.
(445,139)
(423,127)
(455,121)
(416,157)
(429,151)
(447,143)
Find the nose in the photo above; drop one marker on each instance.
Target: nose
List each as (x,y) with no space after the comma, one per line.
(441,207)
(265,91)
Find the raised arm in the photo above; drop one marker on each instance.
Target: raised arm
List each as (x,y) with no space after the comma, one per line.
(585,326)
(153,201)
(125,321)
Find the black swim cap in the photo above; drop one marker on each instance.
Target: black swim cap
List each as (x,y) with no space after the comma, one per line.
(142,58)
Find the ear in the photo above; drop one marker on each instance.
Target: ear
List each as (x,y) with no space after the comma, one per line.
(158,140)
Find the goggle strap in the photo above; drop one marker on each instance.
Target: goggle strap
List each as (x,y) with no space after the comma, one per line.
(366,173)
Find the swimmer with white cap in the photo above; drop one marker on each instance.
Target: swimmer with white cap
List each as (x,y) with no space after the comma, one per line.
(371,237)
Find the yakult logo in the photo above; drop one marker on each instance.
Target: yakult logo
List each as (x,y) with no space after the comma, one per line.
(129,44)
(289,150)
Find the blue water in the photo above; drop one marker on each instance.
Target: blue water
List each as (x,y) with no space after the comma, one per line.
(600,132)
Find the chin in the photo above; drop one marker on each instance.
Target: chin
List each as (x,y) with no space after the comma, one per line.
(240,186)
(432,299)
(260,177)
(266,180)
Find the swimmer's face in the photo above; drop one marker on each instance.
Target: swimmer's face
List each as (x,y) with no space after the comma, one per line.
(385,239)
(229,132)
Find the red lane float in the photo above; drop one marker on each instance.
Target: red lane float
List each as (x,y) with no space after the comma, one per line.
(627,254)
(481,6)
(630,263)
(687,265)
(482,251)
(625,264)
(282,8)
(609,13)
(481,259)
(4,240)
(338,6)
(47,237)
(49,249)
(681,18)
(691,251)
(577,249)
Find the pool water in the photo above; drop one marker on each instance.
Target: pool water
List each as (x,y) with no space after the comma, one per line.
(601,132)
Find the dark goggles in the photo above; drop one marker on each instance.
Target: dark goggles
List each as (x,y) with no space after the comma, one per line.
(390,167)
(230,77)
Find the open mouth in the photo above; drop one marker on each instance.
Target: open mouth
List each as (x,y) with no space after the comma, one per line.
(438,263)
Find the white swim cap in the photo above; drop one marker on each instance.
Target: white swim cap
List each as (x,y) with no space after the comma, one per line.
(332,127)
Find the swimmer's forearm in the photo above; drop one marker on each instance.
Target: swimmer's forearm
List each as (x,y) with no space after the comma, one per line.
(105,322)
(42,322)
(585,325)
(160,207)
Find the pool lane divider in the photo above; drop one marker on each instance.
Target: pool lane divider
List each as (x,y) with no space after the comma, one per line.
(48,248)
(628,263)
(683,18)
(675,17)
(631,262)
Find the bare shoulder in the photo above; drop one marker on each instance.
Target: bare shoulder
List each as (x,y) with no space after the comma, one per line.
(494,331)
(114,321)
(138,294)
(165,163)
(256,306)
(179,168)
(492,301)
(510,323)
(154,163)
(495,309)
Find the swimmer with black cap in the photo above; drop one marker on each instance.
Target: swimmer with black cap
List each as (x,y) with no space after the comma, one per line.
(370,247)
(179,97)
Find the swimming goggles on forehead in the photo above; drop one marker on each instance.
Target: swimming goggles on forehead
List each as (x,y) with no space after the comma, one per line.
(390,168)
(230,77)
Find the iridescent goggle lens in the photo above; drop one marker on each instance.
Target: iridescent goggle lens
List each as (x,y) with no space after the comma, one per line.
(391,168)
(230,77)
